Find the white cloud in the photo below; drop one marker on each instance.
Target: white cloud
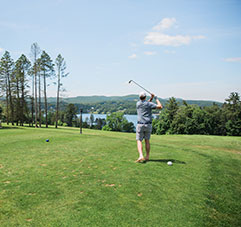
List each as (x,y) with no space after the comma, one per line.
(133,56)
(165,24)
(158,37)
(150,53)
(1,50)
(233,59)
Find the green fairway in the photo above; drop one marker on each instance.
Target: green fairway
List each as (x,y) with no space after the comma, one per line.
(92,180)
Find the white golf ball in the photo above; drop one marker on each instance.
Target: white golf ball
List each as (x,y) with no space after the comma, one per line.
(169,163)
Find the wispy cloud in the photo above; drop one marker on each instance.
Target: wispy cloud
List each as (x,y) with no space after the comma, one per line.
(158,37)
(133,56)
(165,24)
(233,59)
(150,53)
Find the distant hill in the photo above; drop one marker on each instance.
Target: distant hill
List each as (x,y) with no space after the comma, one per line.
(130,98)
(96,99)
(109,104)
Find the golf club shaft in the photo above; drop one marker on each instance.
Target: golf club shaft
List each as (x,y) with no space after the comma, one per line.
(141,87)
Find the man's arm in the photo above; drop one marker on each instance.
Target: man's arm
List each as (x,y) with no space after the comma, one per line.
(152,96)
(159,105)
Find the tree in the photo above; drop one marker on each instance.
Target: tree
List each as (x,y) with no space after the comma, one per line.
(117,122)
(35,51)
(188,120)
(6,70)
(22,68)
(38,64)
(92,119)
(60,68)
(1,110)
(100,123)
(162,124)
(232,113)
(214,121)
(70,114)
(47,71)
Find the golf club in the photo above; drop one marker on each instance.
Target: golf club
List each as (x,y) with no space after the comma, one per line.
(140,86)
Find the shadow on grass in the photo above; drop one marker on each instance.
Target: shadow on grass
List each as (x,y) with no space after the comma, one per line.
(164,161)
(10,127)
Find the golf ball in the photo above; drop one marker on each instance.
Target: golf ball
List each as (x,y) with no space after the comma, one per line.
(169,163)
(47,140)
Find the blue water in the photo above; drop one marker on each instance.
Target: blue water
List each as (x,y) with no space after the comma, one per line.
(130,118)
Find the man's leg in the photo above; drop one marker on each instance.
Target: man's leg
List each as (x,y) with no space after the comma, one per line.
(148,148)
(139,147)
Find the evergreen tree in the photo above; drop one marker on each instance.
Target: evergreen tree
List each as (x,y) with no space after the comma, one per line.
(22,68)
(214,121)
(162,124)
(7,77)
(60,69)
(70,114)
(47,71)
(232,113)
(35,51)
(92,119)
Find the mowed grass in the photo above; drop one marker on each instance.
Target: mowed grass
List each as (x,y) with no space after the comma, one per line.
(92,180)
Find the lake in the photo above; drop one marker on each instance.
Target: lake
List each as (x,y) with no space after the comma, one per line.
(130,118)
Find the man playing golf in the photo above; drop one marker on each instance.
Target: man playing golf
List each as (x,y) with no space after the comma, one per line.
(144,123)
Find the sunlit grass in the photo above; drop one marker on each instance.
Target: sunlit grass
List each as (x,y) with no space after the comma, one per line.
(92,180)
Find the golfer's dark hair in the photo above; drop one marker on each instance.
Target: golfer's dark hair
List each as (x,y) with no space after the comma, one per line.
(142,97)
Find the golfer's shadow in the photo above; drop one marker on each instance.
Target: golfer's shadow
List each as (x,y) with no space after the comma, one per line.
(165,161)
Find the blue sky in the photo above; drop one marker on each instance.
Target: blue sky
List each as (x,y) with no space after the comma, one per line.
(188,49)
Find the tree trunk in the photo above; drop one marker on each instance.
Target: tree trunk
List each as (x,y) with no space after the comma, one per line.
(10,100)
(39,103)
(36,98)
(22,100)
(45,102)
(18,105)
(57,108)
(32,99)
(7,103)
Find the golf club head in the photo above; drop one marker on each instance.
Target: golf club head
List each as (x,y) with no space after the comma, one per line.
(130,81)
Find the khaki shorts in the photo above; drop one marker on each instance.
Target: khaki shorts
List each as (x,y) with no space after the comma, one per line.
(143,131)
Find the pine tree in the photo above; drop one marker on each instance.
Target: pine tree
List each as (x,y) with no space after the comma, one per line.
(35,51)
(47,71)
(22,68)
(61,67)
(6,70)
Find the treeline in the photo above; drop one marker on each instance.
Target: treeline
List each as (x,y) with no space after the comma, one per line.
(107,107)
(113,122)
(125,104)
(24,82)
(192,119)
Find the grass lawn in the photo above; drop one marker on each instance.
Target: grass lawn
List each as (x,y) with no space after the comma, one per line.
(92,180)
